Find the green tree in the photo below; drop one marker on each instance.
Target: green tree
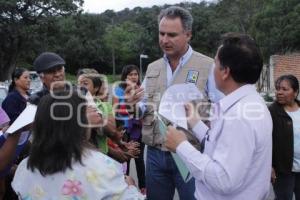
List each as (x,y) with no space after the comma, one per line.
(21,22)
(239,13)
(124,42)
(277,26)
(82,37)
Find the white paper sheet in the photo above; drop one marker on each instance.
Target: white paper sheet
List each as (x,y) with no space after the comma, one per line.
(173,100)
(25,118)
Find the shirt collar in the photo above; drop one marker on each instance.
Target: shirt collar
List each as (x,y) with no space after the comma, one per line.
(183,59)
(227,101)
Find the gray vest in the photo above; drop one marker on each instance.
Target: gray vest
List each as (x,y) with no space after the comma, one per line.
(198,65)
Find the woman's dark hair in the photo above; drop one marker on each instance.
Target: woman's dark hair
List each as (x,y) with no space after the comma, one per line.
(293,81)
(58,137)
(17,73)
(242,56)
(127,69)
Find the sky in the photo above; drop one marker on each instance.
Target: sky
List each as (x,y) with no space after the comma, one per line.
(99,6)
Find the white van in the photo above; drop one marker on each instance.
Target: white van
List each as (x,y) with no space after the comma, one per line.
(3,93)
(36,83)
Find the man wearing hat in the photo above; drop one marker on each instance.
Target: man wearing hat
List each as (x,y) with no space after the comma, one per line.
(50,67)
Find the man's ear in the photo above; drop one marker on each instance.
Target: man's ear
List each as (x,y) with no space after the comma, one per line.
(296,93)
(189,35)
(225,73)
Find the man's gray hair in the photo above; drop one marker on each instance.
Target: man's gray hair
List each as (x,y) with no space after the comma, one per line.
(176,11)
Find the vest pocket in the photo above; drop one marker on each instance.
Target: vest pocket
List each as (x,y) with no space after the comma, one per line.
(147,131)
(153,73)
(151,79)
(149,93)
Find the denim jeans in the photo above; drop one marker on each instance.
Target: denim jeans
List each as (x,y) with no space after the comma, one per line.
(162,176)
(287,184)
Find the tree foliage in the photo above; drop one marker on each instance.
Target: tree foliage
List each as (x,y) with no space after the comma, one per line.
(110,40)
(23,23)
(125,41)
(277,26)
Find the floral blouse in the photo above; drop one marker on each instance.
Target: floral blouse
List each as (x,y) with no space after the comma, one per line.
(99,178)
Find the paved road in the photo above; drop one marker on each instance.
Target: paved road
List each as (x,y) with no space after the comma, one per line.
(134,175)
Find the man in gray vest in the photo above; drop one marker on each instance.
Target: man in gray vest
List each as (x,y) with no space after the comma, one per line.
(180,64)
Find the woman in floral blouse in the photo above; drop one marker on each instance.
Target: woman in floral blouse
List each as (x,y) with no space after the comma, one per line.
(62,164)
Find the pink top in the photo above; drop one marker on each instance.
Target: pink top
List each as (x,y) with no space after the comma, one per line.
(4,119)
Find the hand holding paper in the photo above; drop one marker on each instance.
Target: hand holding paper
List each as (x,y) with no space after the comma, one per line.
(173,138)
(24,119)
(172,144)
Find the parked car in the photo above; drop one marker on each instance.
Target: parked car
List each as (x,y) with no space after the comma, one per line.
(3,93)
(36,83)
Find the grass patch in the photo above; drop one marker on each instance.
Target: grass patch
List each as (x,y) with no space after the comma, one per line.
(112,79)
(71,77)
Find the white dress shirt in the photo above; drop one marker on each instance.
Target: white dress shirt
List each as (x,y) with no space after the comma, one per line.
(210,88)
(236,163)
(212,92)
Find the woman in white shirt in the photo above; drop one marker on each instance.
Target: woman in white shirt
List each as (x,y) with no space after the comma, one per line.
(62,164)
(286,139)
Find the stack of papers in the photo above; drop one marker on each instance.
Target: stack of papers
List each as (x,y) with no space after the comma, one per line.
(24,119)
